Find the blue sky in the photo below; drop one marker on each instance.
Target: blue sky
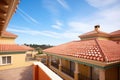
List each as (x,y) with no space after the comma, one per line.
(58,21)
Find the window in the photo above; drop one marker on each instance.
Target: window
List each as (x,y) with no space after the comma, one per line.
(5,60)
(29,57)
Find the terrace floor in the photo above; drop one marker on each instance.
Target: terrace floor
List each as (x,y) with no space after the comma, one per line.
(22,73)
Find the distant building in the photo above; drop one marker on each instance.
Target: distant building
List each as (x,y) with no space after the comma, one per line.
(95,57)
(30,53)
(11,55)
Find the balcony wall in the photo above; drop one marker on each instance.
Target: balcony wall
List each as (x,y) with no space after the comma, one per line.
(41,72)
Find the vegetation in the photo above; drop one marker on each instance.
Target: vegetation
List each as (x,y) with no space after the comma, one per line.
(39,47)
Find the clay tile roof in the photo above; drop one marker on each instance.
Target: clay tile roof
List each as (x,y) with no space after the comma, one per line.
(115,33)
(98,50)
(12,48)
(110,49)
(7,34)
(94,33)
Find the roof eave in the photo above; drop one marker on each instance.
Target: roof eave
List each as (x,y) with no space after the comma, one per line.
(12,52)
(92,63)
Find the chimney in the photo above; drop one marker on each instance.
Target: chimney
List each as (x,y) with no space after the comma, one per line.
(97,27)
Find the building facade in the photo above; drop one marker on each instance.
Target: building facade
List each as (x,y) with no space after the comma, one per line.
(95,57)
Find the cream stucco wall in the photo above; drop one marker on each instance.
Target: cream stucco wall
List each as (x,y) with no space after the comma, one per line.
(103,38)
(7,41)
(18,60)
(100,38)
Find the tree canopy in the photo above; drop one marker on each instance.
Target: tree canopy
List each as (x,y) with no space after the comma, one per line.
(36,46)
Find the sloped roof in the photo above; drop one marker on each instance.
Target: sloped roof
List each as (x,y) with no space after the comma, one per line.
(115,33)
(99,50)
(7,34)
(94,33)
(12,48)
(110,49)
(7,8)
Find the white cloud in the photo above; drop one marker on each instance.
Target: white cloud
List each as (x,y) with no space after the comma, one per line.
(100,4)
(34,32)
(69,35)
(51,7)
(111,13)
(79,26)
(27,17)
(57,25)
(63,4)
(108,18)
(55,35)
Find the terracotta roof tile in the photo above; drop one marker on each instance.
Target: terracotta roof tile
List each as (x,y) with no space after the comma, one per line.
(94,33)
(7,34)
(110,49)
(115,33)
(12,48)
(98,50)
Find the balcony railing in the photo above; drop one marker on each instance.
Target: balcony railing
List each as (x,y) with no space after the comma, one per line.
(68,72)
(55,64)
(43,60)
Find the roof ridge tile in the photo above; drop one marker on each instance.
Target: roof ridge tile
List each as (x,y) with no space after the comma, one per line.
(100,49)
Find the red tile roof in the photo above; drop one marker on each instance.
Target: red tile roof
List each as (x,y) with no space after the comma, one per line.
(115,33)
(12,48)
(99,50)
(110,49)
(7,34)
(94,33)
